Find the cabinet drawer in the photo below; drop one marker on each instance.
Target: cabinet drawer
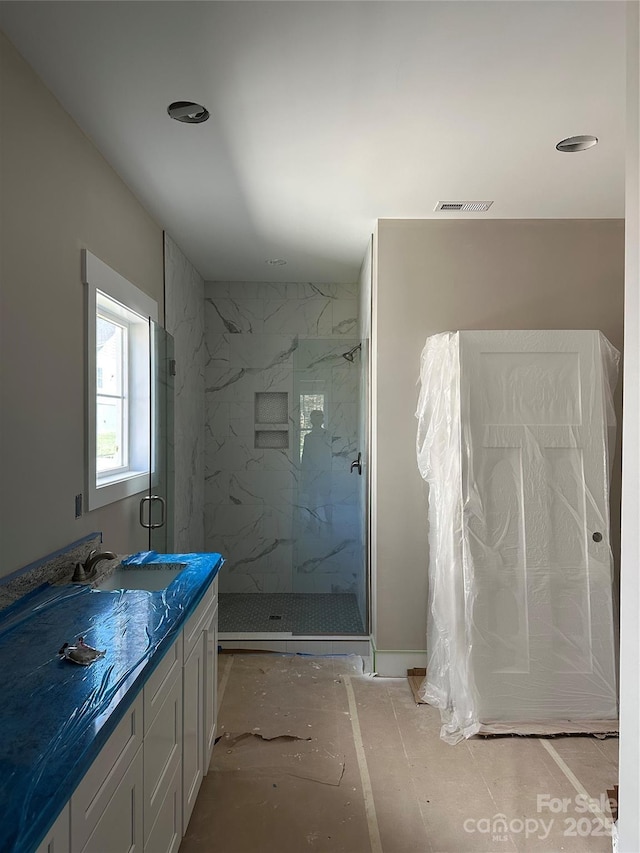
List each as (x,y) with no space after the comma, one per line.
(200,617)
(160,682)
(93,794)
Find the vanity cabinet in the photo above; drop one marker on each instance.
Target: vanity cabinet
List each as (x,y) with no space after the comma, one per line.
(107,806)
(210,686)
(198,695)
(193,730)
(166,833)
(138,795)
(163,754)
(120,827)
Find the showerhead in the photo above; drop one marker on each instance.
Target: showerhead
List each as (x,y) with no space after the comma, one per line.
(351,354)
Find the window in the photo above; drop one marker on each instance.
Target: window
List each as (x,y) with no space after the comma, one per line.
(112,387)
(118,395)
(310,402)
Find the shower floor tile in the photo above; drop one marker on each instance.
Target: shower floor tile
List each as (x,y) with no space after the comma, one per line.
(298,613)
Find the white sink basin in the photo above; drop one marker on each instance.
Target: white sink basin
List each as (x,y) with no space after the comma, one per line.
(148,576)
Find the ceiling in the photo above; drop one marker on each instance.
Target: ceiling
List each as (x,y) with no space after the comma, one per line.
(326,116)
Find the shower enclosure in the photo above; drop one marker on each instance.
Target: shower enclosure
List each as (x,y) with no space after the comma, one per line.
(299,567)
(329,568)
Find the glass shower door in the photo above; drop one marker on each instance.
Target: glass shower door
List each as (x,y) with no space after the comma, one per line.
(156,507)
(329,573)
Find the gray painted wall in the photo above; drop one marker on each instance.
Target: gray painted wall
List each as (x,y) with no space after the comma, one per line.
(58,196)
(436,276)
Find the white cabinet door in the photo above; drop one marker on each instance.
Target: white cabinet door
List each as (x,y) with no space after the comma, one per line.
(192,728)
(57,840)
(535,503)
(162,760)
(101,781)
(210,688)
(119,830)
(165,835)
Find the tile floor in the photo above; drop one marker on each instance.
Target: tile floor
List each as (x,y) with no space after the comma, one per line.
(299,613)
(316,756)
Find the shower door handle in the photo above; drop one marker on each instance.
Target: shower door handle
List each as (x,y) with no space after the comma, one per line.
(151,525)
(357,464)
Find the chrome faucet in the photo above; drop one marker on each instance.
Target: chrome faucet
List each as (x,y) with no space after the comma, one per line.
(85,571)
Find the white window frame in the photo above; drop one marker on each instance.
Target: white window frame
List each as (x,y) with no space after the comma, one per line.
(110,487)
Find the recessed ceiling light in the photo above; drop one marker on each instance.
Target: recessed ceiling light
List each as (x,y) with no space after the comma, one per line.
(577,143)
(188,112)
(276,262)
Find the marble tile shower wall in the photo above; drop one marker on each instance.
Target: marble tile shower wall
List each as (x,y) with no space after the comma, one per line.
(263,337)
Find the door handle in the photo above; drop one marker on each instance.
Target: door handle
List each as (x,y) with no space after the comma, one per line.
(357,464)
(163,505)
(143,523)
(152,525)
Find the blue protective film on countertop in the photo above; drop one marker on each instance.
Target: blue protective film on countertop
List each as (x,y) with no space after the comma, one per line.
(55,715)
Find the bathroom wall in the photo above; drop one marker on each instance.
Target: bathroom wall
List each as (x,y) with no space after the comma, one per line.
(287,339)
(59,195)
(184,301)
(629,780)
(432,276)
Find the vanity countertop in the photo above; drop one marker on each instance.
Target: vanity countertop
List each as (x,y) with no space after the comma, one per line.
(55,716)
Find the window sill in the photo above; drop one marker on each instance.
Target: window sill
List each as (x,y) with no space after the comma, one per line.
(110,489)
(119,477)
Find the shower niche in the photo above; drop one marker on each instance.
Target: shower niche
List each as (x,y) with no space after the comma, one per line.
(271,420)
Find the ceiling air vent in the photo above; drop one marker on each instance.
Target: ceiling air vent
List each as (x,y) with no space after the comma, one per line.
(464,206)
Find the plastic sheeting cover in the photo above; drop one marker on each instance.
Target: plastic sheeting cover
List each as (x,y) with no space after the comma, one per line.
(56,716)
(515,434)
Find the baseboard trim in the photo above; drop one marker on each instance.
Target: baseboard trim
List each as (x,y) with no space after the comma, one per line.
(338,645)
(394,664)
